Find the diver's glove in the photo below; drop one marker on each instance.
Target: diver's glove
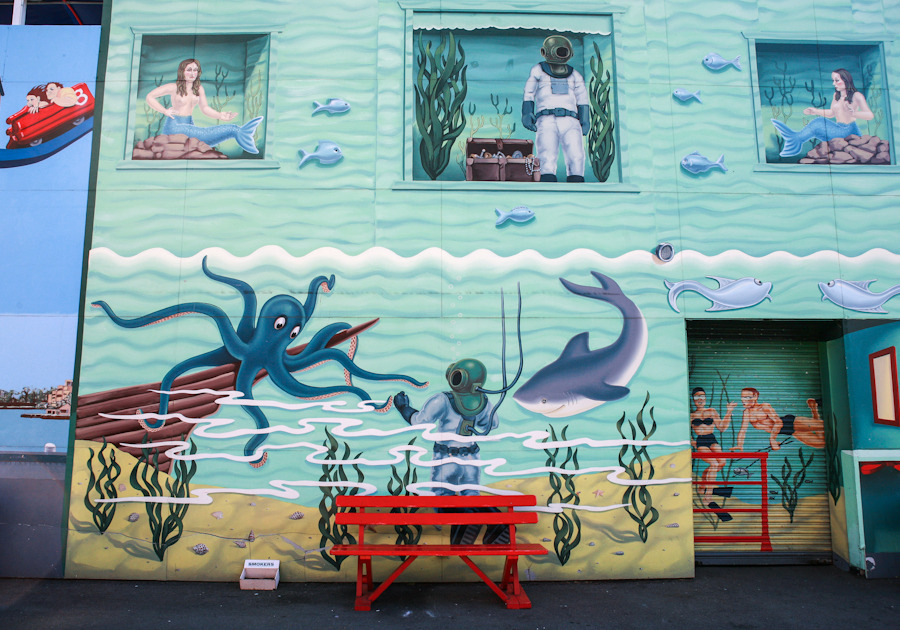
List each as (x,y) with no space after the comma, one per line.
(528,119)
(584,117)
(401,400)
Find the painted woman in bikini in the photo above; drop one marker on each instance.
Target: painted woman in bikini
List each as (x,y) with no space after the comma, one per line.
(704,422)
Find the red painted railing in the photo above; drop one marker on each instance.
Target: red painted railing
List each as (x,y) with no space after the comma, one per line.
(763,510)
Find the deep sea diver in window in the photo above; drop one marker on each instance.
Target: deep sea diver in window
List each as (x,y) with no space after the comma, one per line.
(556,106)
(847,107)
(186,94)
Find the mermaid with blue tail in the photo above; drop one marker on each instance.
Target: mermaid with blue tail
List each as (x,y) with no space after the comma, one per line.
(847,106)
(186,94)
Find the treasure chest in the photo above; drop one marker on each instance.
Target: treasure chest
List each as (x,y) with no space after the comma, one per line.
(491,160)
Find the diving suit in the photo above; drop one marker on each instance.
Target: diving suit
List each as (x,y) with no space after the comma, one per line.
(555,106)
(465,411)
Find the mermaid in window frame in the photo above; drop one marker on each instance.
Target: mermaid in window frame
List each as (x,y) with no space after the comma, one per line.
(185,95)
(847,106)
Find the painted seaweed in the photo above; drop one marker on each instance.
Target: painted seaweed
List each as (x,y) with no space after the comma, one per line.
(103,485)
(601,140)
(398,486)
(566,527)
(834,469)
(145,477)
(332,533)
(440,89)
(790,484)
(640,467)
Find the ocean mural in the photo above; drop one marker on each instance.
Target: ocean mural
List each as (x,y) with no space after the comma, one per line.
(390,297)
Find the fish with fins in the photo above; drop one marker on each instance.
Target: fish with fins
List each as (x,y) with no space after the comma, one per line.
(685,95)
(856,295)
(715,61)
(697,163)
(730,294)
(327,152)
(333,106)
(519,214)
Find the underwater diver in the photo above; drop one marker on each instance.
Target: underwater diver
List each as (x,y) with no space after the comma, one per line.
(847,106)
(555,106)
(465,411)
(186,94)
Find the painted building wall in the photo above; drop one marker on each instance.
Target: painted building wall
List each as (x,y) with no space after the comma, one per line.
(44,200)
(338,188)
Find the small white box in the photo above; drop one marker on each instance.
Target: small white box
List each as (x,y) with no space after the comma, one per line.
(260,575)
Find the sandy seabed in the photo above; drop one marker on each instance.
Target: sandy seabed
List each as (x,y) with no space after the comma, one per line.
(218,537)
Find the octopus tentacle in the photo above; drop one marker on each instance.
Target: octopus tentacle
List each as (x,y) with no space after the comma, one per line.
(336,355)
(317,343)
(214,358)
(245,327)
(326,284)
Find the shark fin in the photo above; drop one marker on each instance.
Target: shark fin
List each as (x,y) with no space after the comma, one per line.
(611,392)
(577,346)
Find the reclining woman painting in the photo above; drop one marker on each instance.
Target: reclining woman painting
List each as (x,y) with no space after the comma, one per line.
(186,94)
(847,106)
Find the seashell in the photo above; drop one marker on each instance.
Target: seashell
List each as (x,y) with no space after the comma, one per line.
(122,487)
(673,525)
(296,516)
(545,540)
(618,553)
(217,515)
(592,544)
(240,543)
(200,549)
(251,536)
(676,494)
(133,517)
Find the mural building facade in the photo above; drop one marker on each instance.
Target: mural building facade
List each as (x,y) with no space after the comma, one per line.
(637,260)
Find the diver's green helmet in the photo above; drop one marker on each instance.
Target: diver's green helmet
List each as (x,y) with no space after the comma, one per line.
(557,50)
(466,376)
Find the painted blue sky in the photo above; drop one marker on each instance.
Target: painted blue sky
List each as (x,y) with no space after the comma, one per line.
(43,208)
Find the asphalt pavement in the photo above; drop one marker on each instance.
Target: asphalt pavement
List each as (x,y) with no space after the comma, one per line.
(780,597)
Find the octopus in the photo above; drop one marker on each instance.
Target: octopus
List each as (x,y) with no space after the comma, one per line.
(261,343)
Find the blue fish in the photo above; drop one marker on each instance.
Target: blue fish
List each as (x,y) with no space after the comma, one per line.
(581,378)
(715,61)
(327,152)
(519,214)
(730,295)
(856,295)
(696,163)
(333,106)
(684,95)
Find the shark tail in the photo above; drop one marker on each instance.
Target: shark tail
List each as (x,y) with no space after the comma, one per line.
(792,140)
(244,135)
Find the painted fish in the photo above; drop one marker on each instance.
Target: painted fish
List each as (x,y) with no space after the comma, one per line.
(333,106)
(741,472)
(715,61)
(696,163)
(327,152)
(684,95)
(581,378)
(519,214)
(730,294)
(856,295)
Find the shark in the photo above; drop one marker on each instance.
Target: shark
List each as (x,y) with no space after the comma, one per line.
(856,295)
(581,378)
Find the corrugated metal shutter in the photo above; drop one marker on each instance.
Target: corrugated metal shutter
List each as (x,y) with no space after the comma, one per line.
(782,511)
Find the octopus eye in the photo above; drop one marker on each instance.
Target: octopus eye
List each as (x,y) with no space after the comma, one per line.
(295,331)
(280,322)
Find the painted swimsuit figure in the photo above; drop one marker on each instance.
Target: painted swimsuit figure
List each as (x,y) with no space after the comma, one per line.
(263,346)
(847,106)
(810,431)
(186,94)
(704,423)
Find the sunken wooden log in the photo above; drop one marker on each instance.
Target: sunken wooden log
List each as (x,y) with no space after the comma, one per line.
(91,423)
